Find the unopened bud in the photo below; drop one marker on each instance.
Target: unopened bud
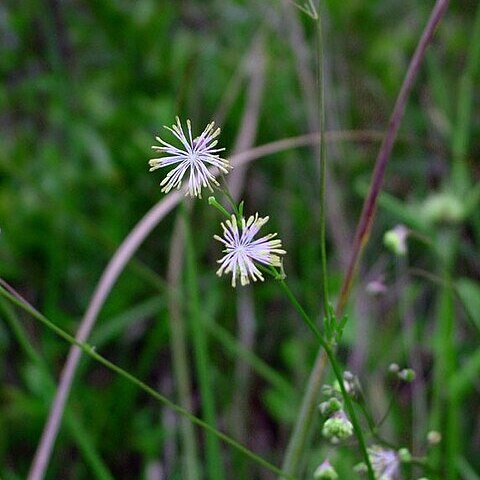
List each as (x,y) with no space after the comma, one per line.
(407,375)
(325,471)
(393,368)
(332,405)
(404,455)
(434,437)
(360,468)
(337,427)
(396,240)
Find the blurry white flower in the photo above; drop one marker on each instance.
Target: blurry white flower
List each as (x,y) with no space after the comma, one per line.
(385,462)
(195,157)
(242,251)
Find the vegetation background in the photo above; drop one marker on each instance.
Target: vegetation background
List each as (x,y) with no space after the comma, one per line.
(85,87)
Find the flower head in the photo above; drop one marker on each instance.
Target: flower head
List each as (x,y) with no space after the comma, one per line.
(195,156)
(242,251)
(385,462)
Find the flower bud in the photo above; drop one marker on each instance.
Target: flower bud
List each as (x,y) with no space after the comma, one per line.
(407,375)
(434,437)
(325,471)
(393,368)
(404,455)
(337,427)
(360,468)
(332,405)
(396,240)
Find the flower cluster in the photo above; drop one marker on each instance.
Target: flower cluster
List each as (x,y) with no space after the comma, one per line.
(243,253)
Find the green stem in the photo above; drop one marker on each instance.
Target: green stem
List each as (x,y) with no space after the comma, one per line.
(329,350)
(90,351)
(445,408)
(202,361)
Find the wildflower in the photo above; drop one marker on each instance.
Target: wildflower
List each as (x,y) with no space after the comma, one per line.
(325,471)
(396,240)
(197,154)
(385,462)
(337,427)
(407,375)
(242,251)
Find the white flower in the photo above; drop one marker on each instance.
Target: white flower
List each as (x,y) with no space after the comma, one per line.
(385,462)
(197,154)
(242,251)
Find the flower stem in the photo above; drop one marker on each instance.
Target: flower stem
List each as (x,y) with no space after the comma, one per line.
(329,350)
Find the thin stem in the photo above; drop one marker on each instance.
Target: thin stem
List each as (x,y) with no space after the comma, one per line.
(329,350)
(445,409)
(369,207)
(228,195)
(90,351)
(323,162)
(305,317)
(201,356)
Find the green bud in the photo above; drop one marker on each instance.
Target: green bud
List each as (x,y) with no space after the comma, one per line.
(393,368)
(434,437)
(405,455)
(396,240)
(332,405)
(337,427)
(325,471)
(407,375)
(360,468)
